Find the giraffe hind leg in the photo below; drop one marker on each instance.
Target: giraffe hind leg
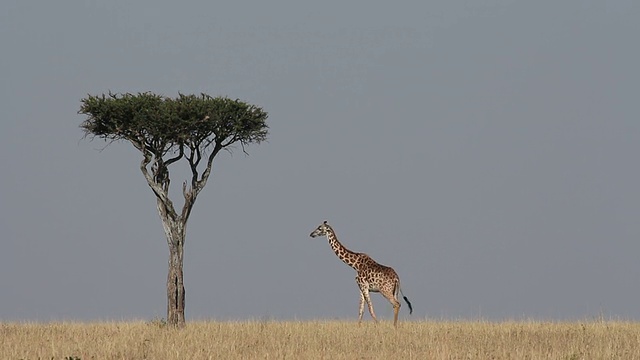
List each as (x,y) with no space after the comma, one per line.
(396,305)
(396,309)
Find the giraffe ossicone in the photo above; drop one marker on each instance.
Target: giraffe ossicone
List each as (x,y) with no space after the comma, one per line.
(370,276)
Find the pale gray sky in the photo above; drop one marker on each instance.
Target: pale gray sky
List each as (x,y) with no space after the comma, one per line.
(487,150)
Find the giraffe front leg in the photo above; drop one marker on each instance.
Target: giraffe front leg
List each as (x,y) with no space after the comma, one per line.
(364,296)
(367,298)
(361,308)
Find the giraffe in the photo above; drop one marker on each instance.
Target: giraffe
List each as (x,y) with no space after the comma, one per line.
(370,277)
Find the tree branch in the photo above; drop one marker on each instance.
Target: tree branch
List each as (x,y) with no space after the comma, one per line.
(190,194)
(160,192)
(177,157)
(205,175)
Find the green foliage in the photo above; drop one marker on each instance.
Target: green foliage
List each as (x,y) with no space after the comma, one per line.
(159,124)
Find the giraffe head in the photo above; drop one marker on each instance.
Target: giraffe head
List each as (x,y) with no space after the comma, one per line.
(321,230)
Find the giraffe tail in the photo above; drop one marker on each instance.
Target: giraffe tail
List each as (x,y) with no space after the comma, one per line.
(405,299)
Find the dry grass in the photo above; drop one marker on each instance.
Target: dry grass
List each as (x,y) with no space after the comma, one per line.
(321,340)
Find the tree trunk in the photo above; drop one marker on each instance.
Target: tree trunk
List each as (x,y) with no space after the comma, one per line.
(174,230)
(174,225)
(175,285)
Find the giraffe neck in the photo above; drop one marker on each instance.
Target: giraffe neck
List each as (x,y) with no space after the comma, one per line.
(347,256)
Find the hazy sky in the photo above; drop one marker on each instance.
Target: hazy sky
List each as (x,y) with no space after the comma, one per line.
(487,150)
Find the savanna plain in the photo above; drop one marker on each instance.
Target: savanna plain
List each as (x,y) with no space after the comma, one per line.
(331,339)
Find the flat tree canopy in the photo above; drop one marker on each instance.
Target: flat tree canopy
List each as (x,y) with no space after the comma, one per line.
(153,122)
(166,130)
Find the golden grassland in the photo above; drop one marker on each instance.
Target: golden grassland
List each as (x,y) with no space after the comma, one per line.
(322,340)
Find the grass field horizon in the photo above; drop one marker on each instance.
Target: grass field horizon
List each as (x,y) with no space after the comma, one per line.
(321,339)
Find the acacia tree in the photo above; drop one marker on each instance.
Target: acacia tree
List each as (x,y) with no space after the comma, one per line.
(166,130)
